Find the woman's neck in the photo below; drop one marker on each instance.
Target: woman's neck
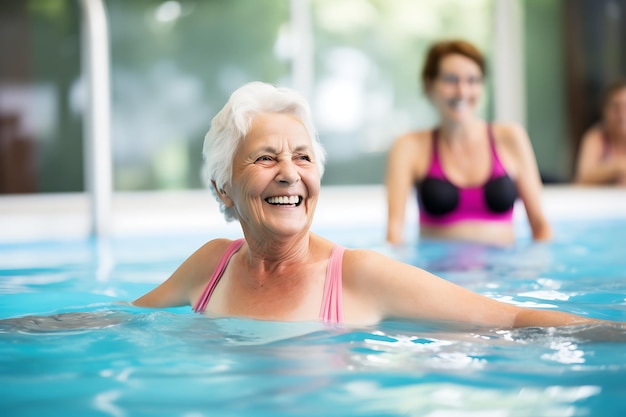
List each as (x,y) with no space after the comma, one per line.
(270,251)
(461,132)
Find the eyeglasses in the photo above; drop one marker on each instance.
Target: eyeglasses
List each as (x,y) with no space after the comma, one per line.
(454,80)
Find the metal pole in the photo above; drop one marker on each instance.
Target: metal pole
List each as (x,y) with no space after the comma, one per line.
(97,117)
(510,100)
(302,46)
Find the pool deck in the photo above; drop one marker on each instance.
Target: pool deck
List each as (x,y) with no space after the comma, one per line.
(67,216)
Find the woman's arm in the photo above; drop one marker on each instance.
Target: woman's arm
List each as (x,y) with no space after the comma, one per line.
(528,180)
(398,290)
(398,182)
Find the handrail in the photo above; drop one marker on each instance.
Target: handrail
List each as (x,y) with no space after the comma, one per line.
(97,156)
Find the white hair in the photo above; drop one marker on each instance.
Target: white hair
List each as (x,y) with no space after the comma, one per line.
(230,126)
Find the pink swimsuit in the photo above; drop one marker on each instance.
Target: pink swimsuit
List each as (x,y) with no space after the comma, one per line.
(442,203)
(332,302)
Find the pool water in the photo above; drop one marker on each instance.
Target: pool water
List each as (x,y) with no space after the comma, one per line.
(70,346)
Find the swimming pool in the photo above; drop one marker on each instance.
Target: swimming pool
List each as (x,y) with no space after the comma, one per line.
(86,354)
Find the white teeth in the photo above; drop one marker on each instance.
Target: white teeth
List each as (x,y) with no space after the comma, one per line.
(284,200)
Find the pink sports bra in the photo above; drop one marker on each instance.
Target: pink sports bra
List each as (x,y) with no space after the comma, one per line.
(331,310)
(442,203)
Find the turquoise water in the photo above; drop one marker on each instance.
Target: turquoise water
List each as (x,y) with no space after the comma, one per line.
(69,347)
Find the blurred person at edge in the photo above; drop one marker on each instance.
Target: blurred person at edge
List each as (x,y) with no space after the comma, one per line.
(602,155)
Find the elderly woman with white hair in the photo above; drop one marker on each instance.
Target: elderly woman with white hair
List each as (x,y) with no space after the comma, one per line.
(264,163)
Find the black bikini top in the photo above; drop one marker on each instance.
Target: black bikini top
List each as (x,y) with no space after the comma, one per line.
(441,202)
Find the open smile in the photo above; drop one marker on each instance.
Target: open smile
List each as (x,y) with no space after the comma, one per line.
(288,201)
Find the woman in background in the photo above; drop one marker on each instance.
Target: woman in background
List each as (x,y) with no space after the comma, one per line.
(468,173)
(602,156)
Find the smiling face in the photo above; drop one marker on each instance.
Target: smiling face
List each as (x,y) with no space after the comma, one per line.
(457,89)
(275,182)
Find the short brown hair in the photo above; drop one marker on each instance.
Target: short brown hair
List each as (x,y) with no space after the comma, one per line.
(441,49)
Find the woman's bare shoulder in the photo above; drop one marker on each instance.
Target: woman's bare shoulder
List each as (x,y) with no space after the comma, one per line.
(412,150)
(366,265)
(215,245)
(200,266)
(511,134)
(594,134)
(212,251)
(360,272)
(204,260)
(513,144)
(413,140)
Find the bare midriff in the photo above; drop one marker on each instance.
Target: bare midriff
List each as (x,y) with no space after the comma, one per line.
(497,233)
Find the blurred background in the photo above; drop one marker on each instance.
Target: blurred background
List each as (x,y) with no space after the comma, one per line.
(174,63)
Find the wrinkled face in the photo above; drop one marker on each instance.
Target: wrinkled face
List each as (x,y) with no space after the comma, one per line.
(275,182)
(615,112)
(457,90)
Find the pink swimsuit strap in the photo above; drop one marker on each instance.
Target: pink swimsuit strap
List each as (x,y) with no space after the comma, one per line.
(332,303)
(203,301)
(331,310)
(498,169)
